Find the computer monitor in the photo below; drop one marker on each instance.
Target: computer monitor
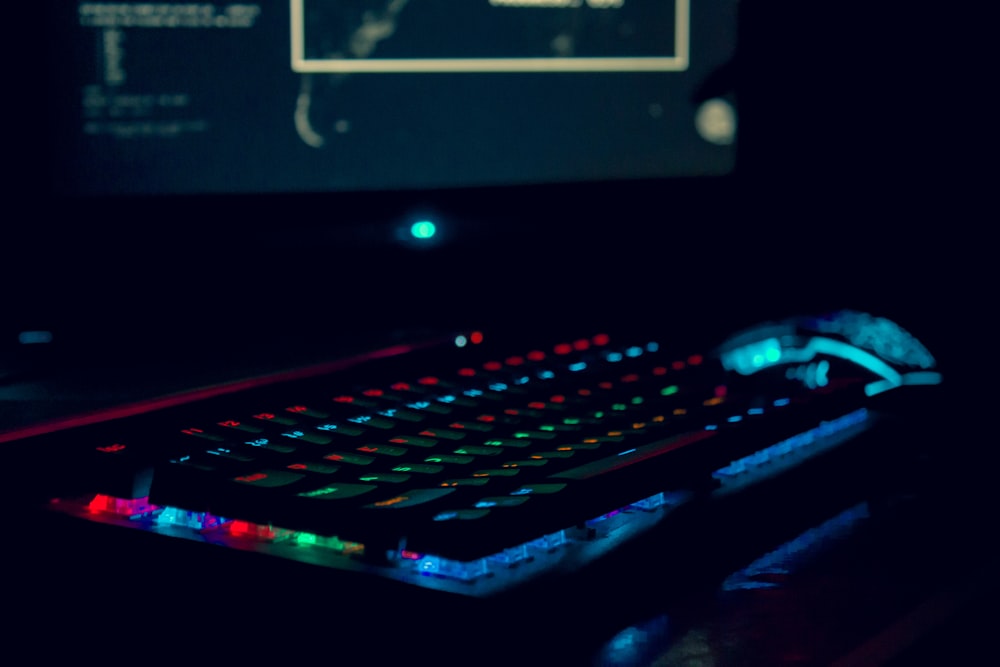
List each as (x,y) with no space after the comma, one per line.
(285,96)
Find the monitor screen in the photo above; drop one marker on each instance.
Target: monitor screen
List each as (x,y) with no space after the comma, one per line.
(284,96)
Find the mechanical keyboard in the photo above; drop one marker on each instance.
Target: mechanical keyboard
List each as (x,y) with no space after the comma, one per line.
(471,466)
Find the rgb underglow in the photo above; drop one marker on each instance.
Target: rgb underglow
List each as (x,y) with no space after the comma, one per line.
(814,440)
(783,559)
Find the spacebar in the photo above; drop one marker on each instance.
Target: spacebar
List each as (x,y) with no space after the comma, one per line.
(634,455)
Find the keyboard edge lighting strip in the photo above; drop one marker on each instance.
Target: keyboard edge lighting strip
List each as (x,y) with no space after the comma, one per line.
(481,576)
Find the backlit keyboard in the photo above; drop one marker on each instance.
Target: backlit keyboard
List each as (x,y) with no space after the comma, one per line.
(467,467)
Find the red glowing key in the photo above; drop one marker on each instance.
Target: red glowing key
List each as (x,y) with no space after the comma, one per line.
(558,398)
(605,385)
(514,361)
(631,377)
(373,392)
(720,391)
(297,408)
(467,372)
(410,555)
(476,337)
(677,365)
(537,405)
(429,380)
(660,370)
(492,365)
(111,448)
(266,415)
(581,345)
(601,339)
(401,386)
(695,359)
(583,392)
(536,355)
(343,399)
(563,348)
(486,418)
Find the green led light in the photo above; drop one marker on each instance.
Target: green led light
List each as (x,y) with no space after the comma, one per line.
(423,229)
(521,434)
(637,400)
(599,414)
(668,391)
(618,406)
(571,420)
(546,427)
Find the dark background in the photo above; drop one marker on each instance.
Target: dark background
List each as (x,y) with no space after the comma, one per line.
(848,192)
(851,191)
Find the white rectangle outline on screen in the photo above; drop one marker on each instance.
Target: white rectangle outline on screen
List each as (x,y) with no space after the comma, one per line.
(675,63)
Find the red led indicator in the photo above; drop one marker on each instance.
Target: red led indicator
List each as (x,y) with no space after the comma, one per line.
(601,339)
(467,372)
(486,418)
(720,391)
(401,386)
(558,398)
(429,380)
(298,466)
(695,359)
(256,477)
(192,431)
(563,348)
(537,405)
(514,361)
(343,399)
(536,355)
(476,337)
(583,392)
(492,365)
(660,370)
(456,425)
(410,555)
(581,345)
(298,409)
(605,385)
(264,415)
(511,411)
(230,423)
(111,448)
(334,457)
(677,365)
(631,377)
(373,392)
(368,448)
